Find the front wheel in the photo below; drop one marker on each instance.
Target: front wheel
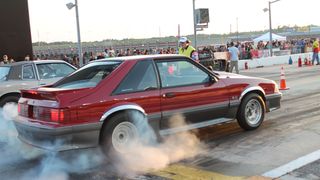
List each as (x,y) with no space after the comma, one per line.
(251,112)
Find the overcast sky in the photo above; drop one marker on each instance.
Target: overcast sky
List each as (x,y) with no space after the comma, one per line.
(106,19)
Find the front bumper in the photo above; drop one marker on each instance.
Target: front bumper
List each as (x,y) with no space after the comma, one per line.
(58,139)
(273,101)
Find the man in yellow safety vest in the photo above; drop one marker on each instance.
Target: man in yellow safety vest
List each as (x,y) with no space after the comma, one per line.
(187,50)
(315,48)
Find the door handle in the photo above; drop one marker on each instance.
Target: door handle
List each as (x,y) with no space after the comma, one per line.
(169,95)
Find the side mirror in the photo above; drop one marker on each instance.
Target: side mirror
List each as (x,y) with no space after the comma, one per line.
(212,79)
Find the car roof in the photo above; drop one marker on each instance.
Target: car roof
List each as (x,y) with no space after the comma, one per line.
(141,57)
(33,62)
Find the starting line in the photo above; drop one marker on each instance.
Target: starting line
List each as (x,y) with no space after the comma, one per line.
(293,165)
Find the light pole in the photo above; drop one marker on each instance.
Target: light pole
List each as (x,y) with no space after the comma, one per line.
(270,25)
(237,31)
(194,24)
(70,6)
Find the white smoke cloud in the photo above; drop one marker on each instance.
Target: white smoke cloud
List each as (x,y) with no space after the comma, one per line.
(60,165)
(148,155)
(9,137)
(7,131)
(52,165)
(142,156)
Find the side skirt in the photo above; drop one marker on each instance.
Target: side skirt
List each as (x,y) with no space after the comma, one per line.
(194,126)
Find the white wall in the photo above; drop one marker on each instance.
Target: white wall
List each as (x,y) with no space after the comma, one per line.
(269,61)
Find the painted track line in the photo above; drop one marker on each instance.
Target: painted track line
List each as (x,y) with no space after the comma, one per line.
(293,165)
(179,172)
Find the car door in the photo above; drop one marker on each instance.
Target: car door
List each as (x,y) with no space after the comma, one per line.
(20,76)
(141,87)
(190,90)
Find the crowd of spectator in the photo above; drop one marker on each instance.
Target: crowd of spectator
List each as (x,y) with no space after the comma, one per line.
(107,53)
(247,49)
(250,50)
(5,60)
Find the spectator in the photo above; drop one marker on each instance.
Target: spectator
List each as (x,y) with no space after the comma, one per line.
(234,57)
(187,50)
(315,50)
(101,55)
(5,60)
(27,58)
(111,53)
(75,62)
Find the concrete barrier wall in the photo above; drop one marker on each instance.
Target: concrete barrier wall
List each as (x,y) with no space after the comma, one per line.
(270,61)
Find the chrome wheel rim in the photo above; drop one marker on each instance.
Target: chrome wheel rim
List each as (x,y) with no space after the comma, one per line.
(123,135)
(253,112)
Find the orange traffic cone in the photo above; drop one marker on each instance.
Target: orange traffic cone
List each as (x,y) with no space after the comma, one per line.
(283,85)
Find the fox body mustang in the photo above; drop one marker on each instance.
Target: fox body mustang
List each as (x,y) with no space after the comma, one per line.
(93,106)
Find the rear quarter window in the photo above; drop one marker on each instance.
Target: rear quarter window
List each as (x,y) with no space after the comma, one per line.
(88,76)
(142,77)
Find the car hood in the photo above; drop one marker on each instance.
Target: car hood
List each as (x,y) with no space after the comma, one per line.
(231,78)
(224,75)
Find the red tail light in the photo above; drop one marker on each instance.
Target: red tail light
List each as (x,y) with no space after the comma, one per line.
(19,108)
(47,114)
(57,115)
(23,110)
(33,92)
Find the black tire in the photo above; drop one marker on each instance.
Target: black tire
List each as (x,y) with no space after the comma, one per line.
(9,99)
(251,112)
(110,137)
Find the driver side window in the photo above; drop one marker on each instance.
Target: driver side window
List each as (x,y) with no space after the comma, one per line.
(175,73)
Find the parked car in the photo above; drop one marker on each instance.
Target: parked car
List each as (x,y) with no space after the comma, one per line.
(92,106)
(27,74)
(211,59)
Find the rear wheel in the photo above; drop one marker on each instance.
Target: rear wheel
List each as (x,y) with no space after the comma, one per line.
(251,112)
(118,134)
(9,99)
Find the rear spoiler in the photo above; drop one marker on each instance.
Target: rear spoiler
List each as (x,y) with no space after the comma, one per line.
(41,95)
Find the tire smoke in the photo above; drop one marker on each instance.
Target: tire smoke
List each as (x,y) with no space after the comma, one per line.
(9,143)
(39,164)
(148,154)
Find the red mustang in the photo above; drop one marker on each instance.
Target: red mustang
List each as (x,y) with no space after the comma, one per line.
(92,106)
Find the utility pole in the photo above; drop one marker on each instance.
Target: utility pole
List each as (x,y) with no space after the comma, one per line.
(194,24)
(237,31)
(270,31)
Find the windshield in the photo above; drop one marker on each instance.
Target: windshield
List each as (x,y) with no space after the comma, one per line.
(88,76)
(4,71)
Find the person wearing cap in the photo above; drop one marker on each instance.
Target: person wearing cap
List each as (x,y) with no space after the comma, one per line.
(187,50)
(315,49)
